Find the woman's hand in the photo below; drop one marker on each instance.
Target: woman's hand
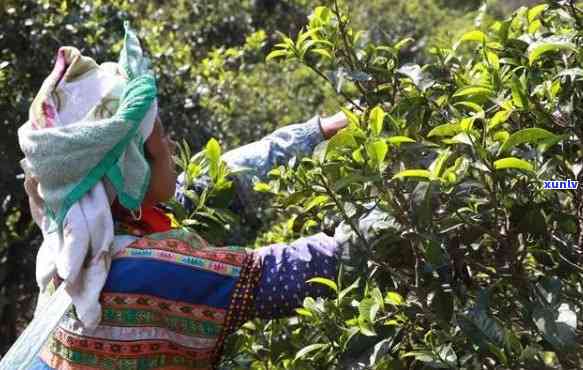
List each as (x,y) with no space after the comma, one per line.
(331,125)
(35,201)
(357,236)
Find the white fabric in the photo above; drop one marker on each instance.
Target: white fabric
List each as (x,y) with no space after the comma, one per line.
(88,232)
(80,97)
(82,255)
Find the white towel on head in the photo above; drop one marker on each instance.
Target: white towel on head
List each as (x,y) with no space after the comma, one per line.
(82,255)
(86,130)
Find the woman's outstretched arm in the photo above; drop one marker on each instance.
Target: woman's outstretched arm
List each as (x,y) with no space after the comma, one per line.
(252,162)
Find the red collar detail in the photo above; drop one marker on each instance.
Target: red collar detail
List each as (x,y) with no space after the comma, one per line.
(153,219)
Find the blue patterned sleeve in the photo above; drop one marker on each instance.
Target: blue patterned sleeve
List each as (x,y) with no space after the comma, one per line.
(285,269)
(252,162)
(255,160)
(259,157)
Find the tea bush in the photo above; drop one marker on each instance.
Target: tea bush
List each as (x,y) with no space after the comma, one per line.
(481,266)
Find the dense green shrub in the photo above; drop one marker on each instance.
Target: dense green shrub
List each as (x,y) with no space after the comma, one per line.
(439,297)
(481,267)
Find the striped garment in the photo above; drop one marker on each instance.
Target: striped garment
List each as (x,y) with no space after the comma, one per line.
(169,302)
(171,299)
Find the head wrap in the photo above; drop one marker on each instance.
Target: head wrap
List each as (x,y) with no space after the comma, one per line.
(86,131)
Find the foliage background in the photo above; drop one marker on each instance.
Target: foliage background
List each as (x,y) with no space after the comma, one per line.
(209,57)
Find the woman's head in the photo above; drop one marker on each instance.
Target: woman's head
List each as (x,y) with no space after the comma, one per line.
(82,130)
(159,149)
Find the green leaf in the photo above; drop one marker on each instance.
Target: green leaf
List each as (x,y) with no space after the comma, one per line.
(478,36)
(401,44)
(323,52)
(304,312)
(535,26)
(394,298)
(358,156)
(322,13)
(367,310)
(436,254)
(377,295)
(447,129)
(377,116)
(498,118)
(309,349)
(543,145)
(501,136)
(461,138)
(513,163)
(343,139)
(473,106)
(262,187)
(537,49)
(421,204)
(366,329)
(347,290)
(519,94)
(493,59)
(213,154)
(373,312)
(473,90)
(535,12)
(425,174)
(443,304)
(439,162)
(481,328)
(320,280)
(317,201)
(352,118)
(467,124)
(213,150)
(399,140)
(276,54)
(457,171)
(421,356)
(528,135)
(303,36)
(377,150)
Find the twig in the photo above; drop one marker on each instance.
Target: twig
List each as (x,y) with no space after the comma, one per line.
(348,219)
(351,56)
(319,73)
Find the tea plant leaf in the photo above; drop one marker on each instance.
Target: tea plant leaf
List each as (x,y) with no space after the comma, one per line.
(513,163)
(527,135)
(320,280)
(538,49)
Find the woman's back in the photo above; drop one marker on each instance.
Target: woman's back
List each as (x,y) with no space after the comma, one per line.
(169,301)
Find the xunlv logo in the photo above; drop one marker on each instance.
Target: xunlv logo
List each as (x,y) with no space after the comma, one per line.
(562,184)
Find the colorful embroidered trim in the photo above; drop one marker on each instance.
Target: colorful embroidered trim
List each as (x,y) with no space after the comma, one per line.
(241,308)
(144,302)
(69,351)
(202,263)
